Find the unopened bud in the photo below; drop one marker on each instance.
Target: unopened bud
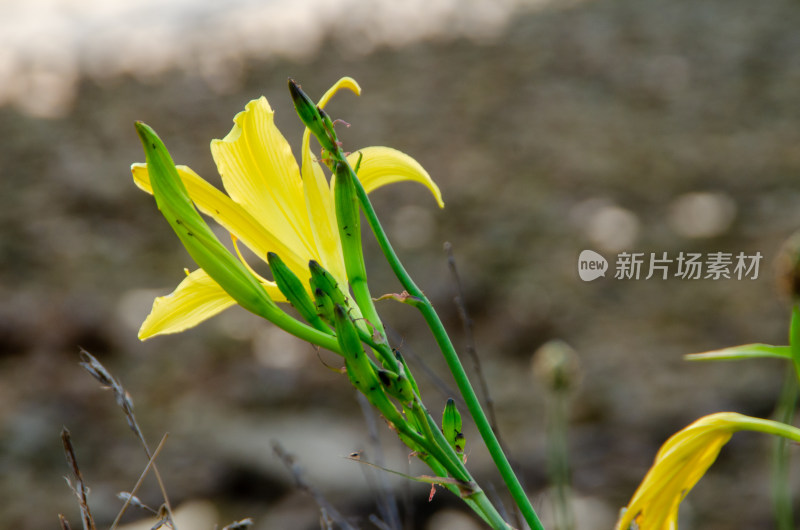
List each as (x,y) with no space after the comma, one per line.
(787,268)
(557,365)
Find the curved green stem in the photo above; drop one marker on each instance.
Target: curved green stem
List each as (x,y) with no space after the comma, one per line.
(453,362)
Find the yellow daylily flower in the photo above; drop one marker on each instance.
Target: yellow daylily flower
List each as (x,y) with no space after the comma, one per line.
(682,461)
(271,205)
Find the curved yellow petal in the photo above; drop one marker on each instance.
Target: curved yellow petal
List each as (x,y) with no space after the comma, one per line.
(319,204)
(196,299)
(383,165)
(260,173)
(212,202)
(346,82)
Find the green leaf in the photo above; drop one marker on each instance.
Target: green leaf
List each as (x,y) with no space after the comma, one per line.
(746,351)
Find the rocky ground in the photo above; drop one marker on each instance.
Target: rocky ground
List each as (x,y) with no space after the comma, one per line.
(652,127)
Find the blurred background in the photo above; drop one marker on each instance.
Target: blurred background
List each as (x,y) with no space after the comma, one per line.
(550,126)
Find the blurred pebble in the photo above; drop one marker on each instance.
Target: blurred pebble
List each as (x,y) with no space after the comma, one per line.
(702,214)
(452,520)
(612,228)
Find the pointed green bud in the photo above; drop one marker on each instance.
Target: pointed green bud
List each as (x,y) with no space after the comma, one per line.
(348,219)
(295,292)
(406,372)
(451,426)
(324,281)
(323,305)
(361,370)
(347,334)
(206,250)
(396,386)
(313,117)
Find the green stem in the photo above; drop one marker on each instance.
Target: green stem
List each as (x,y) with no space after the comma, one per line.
(781,491)
(794,338)
(453,362)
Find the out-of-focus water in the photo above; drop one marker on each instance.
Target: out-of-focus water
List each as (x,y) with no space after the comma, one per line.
(46,45)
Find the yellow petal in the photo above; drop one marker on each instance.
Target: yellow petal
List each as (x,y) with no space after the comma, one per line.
(383,165)
(231,216)
(345,82)
(260,173)
(196,299)
(319,204)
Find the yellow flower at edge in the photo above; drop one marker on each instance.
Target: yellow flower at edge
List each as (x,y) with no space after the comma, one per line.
(682,461)
(271,205)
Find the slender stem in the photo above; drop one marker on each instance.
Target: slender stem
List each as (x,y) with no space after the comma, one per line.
(794,338)
(781,490)
(559,458)
(453,362)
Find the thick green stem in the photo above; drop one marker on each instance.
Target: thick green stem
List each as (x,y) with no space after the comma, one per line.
(453,363)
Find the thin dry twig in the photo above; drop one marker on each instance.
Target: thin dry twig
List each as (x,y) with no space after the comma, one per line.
(239,525)
(387,503)
(327,510)
(80,489)
(64,523)
(99,372)
(469,340)
(132,494)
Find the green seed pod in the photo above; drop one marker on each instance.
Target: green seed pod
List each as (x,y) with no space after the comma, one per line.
(451,426)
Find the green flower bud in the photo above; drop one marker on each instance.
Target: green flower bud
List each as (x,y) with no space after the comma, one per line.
(451,426)
(295,292)
(313,117)
(324,281)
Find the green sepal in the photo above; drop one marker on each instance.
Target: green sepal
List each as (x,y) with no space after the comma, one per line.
(295,292)
(205,249)
(451,426)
